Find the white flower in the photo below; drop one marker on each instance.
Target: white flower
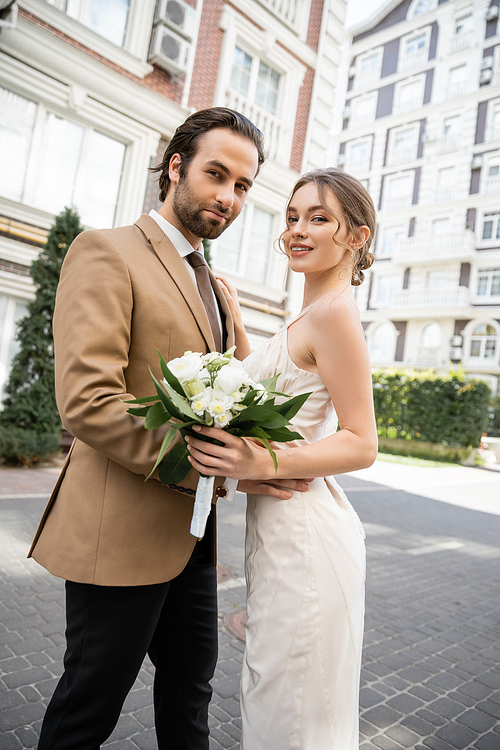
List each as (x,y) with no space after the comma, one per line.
(187,367)
(219,403)
(230,378)
(193,387)
(222,419)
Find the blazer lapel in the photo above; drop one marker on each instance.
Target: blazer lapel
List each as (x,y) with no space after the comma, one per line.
(176,268)
(224,310)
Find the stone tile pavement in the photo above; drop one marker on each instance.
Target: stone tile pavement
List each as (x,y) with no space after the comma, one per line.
(431,675)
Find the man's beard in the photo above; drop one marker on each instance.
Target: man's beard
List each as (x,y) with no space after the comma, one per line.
(188,210)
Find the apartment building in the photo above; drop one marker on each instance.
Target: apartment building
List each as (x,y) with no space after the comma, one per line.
(421,129)
(92,90)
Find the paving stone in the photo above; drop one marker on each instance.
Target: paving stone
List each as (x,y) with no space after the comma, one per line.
(446,707)
(385,743)
(382,716)
(477,720)
(490,708)
(487,742)
(404,703)
(369,697)
(404,736)
(457,735)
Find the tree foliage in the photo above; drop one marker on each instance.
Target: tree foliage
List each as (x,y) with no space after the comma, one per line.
(29,398)
(448,409)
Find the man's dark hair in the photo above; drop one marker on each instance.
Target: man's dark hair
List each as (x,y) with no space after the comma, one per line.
(186,137)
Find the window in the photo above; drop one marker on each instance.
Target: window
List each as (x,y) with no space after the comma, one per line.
(410,96)
(369,63)
(457,81)
(108,18)
(404,138)
(451,125)
(492,178)
(445,184)
(363,110)
(383,344)
(422,6)
(390,239)
(403,147)
(386,287)
(491,226)
(245,247)
(440,227)
(50,162)
(483,343)
(415,44)
(488,283)
(359,157)
(463,25)
(399,192)
(450,140)
(431,342)
(255,79)
(495,122)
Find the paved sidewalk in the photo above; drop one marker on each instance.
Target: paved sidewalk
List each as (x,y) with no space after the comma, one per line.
(431,677)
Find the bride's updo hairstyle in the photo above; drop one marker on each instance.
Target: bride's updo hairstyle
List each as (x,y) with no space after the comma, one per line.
(357,208)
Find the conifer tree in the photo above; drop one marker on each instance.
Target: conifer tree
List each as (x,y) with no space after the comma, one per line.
(29,398)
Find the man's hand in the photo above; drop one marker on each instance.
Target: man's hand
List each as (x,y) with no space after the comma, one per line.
(279,488)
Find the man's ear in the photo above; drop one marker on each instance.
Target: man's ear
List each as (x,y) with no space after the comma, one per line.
(174,168)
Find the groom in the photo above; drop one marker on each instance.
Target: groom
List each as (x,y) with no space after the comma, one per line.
(137,583)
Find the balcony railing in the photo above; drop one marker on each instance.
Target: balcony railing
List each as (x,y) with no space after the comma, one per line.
(288,11)
(449,143)
(427,247)
(409,105)
(460,41)
(357,121)
(413,59)
(277,134)
(402,155)
(428,355)
(428,298)
(360,166)
(494,134)
(397,202)
(492,185)
(445,194)
(366,78)
(459,89)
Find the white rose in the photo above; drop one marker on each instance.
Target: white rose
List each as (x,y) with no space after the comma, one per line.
(193,387)
(230,378)
(186,367)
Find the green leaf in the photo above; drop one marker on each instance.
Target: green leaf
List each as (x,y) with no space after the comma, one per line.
(167,440)
(176,466)
(275,421)
(157,415)
(283,435)
(261,436)
(180,402)
(290,408)
(165,399)
(142,412)
(270,383)
(143,400)
(249,398)
(170,377)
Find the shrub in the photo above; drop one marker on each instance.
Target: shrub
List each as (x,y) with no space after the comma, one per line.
(448,409)
(26,447)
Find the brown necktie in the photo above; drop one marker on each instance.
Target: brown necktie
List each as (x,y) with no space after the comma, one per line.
(205,289)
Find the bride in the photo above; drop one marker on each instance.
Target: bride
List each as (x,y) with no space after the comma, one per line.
(305,557)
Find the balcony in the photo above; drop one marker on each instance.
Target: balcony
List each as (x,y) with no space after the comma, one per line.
(289,12)
(430,298)
(492,185)
(409,105)
(448,144)
(357,121)
(445,194)
(428,355)
(277,134)
(458,89)
(413,59)
(360,166)
(397,202)
(366,78)
(437,248)
(494,135)
(401,156)
(460,41)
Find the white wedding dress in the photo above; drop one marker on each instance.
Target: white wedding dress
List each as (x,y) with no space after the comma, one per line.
(305,571)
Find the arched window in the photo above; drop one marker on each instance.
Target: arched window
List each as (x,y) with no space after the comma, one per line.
(431,342)
(483,342)
(420,7)
(383,344)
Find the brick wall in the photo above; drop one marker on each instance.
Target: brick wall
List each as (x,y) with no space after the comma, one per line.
(314,28)
(208,52)
(301,119)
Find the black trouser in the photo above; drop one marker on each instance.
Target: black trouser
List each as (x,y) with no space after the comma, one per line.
(109,631)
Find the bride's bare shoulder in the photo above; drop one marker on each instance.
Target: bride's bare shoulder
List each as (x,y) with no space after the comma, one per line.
(339,306)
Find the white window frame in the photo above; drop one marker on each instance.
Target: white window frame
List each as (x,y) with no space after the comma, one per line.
(254,77)
(373,74)
(446,192)
(458,89)
(394,278)
(413,11)
(416,102)
(367,117)
(491,184)
(408,153)
(271,277)
(468,335)
(418,57)
(278,128)
(492,128)
(383,252)
(358,166)
(370,339)
(132,56)
(493,216)
(488,274)
(400,200)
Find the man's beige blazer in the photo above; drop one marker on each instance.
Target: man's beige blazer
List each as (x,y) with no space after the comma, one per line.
(123,294)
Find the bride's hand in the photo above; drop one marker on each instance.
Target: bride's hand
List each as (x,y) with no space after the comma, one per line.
(231,294)
(238,458)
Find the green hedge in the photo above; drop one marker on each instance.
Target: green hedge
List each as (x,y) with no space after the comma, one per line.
(447,409)
(26,447)
(494,423)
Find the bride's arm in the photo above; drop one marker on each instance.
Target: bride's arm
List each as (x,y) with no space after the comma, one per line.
(336,342)
(231,295)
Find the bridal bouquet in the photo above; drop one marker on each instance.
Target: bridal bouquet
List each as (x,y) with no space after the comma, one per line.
(214,390)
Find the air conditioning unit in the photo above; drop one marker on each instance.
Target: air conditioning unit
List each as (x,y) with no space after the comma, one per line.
(477,162)
(485,76)
(487,62)
(346,113)
(168,50)
(177,15)
(492,13)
